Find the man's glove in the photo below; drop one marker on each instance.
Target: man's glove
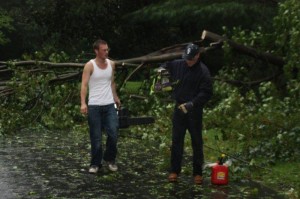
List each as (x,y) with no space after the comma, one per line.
(186,107)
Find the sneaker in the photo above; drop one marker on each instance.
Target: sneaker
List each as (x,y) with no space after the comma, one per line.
(173,177)
(112,166)
(93,169)
(198,179)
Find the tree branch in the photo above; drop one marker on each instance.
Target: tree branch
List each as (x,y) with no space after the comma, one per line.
(268,57)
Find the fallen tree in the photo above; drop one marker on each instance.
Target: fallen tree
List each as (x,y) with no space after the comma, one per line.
(162,55)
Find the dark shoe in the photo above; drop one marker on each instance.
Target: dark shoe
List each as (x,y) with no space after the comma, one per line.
(198,179)
(173,177)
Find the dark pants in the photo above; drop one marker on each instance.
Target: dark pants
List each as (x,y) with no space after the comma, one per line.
(99,118)
(192,121)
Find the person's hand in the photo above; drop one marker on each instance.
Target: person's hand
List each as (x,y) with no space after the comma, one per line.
(118,102)
(186,107)
(84,109)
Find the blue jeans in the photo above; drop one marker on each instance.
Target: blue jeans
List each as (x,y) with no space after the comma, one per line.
(103,118)
(192,121)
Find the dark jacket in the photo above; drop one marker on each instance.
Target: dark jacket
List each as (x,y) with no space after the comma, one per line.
(193,83)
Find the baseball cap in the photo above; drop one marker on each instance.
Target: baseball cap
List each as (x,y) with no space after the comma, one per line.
(190,51)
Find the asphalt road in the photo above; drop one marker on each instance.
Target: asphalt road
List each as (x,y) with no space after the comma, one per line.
(54,165)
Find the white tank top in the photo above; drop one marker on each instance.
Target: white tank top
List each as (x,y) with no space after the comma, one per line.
(100,92)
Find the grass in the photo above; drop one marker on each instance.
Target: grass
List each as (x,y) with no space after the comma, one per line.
(133,86)
(282,176)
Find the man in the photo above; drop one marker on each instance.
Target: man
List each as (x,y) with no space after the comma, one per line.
(98,77)
(191,93)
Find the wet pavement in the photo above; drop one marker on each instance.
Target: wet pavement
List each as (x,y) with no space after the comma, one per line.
(48,164)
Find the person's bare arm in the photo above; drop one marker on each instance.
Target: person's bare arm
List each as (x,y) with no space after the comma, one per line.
(113,86)
(87,71)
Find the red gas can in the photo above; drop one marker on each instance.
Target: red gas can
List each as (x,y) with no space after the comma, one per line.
(219,174)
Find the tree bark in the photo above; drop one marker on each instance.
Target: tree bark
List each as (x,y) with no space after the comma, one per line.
(267,57)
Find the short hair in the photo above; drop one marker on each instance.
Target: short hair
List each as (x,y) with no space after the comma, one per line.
(97,43)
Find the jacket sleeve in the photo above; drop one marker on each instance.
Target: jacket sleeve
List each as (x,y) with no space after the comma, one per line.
(205,88)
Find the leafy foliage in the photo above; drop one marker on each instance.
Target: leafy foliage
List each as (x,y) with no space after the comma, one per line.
(72,25)
(187,18)
(177,12)
(36,101)
(287,25)
(258,125)
(263,119)
(5,26)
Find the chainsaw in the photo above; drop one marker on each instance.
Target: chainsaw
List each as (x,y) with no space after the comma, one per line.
(162,81)
(125,120)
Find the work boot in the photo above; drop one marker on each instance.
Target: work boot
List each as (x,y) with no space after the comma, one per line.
(173,177)
(198,179)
